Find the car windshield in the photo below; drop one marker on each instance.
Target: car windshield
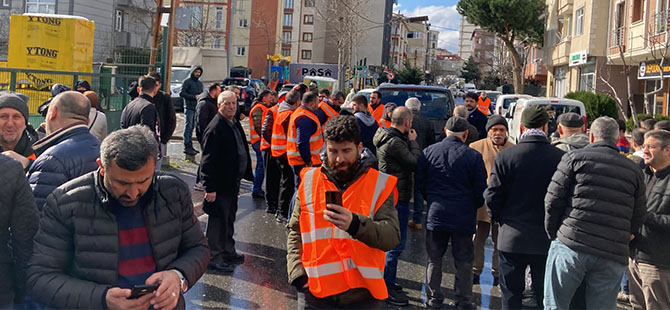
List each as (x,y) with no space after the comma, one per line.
(243,83)
(508,101)
(435,104)
(178,76)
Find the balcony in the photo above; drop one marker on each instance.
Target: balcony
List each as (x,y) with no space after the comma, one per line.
(618,36)
(659,23)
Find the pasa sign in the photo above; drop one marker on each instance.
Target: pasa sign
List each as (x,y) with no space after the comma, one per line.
(300,71)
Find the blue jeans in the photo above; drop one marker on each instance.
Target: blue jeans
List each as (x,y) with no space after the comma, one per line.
(565,271)
(392,256)
(417,215)
(189,115)
(259,174)
(624,283)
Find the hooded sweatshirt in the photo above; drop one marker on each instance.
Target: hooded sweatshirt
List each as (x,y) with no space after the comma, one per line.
(191,88)
(84,84)
(572,142)
(368,126)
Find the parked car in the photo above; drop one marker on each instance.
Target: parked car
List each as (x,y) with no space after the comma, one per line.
(177,77)
(364,92)
(503,102)
(469,88)
(437,103)
(249,88)
(560,106)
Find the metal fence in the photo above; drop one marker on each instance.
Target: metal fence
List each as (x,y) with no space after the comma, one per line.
(111,87)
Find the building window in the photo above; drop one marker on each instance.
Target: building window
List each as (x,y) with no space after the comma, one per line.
(218,18)
(587,77)
(306,54)
(196,16)
(560,81)
(118,21)
(286,52)
(307,37)
(240,51)
(415,35)
(637,10)
(309,20)
(579,22)
(41,6)
(288,4)
(242,23)
(217,42)
(287,37)
(288,20)
(309,3)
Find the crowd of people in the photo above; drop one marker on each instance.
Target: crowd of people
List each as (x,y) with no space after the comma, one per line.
(93,222)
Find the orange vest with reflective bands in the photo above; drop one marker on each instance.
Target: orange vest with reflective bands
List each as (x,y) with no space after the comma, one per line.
(273,111)
(384,123)
(333,260)
(278,141)
(483,105)
(315,141)
(326,108)
(377,113)
(253,135)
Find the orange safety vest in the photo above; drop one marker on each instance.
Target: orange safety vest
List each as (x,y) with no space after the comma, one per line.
(278,141)
(483,105)
(273,111)
(253,135)
(377,113)
(315,141)
(333,260)
(383,123)
(328,110)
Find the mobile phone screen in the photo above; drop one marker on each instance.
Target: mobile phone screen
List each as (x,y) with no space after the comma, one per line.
(334,197)
(141,290)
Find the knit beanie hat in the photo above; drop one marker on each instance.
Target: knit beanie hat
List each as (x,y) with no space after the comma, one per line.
(8,100)
(496,120)
(534,116)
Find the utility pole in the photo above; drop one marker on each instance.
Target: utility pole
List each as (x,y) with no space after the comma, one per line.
(230,35)
(157,25)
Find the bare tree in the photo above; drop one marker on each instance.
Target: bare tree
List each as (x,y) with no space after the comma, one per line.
(203,27)
(659,51)
(142,12)
(625,71)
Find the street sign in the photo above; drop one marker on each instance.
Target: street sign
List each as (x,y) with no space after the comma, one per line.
(300,71)
(578,58)
(182,18)
(390,76)
(652,70)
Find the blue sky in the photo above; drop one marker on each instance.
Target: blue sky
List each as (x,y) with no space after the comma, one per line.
(442,16)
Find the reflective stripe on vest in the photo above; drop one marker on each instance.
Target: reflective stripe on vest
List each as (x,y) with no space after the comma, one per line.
(377,113)
(328,110)
(278,141)
(273,111)
(315,141)
(483,105)
(333,260)
(383,123)
(253,135)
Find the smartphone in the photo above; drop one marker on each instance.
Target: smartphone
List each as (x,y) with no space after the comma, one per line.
(333,197)
(141,290)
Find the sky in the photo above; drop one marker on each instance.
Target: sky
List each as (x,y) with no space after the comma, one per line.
(442,16)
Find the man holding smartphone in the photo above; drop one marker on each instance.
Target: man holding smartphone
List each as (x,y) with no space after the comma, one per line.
(344,215)
(122,228)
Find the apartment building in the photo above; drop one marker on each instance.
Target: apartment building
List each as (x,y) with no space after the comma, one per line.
(431,49)
(465,39)
(398,46)
(208,25)
(483,47)
(417,41)
(576,51)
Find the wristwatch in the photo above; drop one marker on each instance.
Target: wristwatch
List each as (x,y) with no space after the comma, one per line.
(183,283)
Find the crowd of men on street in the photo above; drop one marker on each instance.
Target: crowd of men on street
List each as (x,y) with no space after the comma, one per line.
(93,222)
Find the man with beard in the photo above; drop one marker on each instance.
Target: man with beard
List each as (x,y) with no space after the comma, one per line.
(334,225)
(497,141)
(14,140)
(475,117)
(366,122)
(375,107)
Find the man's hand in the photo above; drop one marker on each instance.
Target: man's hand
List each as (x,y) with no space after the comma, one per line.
(167,295)
(337,215)
(210,197)
(117,298)
(24,161)
(412,135)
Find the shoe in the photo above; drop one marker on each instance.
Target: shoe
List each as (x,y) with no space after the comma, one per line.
(496,281)
(222,267)
(199,187)
(234,260)
(281,218)
(260,195)
(397,287)
(475,279)
(623,298)
(190,151)
(465,305)
(432,305)
(397,298)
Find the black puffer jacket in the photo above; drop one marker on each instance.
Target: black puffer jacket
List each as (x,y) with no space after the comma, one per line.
(649,246)
(191,88)
(397,156)
(595,201)
(18,212)
(75,257)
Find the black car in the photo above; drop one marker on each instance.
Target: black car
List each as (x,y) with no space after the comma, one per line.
(249,88)
(437,103)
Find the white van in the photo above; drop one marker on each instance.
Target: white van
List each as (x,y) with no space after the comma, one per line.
(503,102)
(560,106)
(469,88)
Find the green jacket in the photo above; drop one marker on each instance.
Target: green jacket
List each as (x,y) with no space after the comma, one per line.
(397,156)
(381,232)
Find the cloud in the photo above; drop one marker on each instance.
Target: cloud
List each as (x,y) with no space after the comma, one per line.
(444,19)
